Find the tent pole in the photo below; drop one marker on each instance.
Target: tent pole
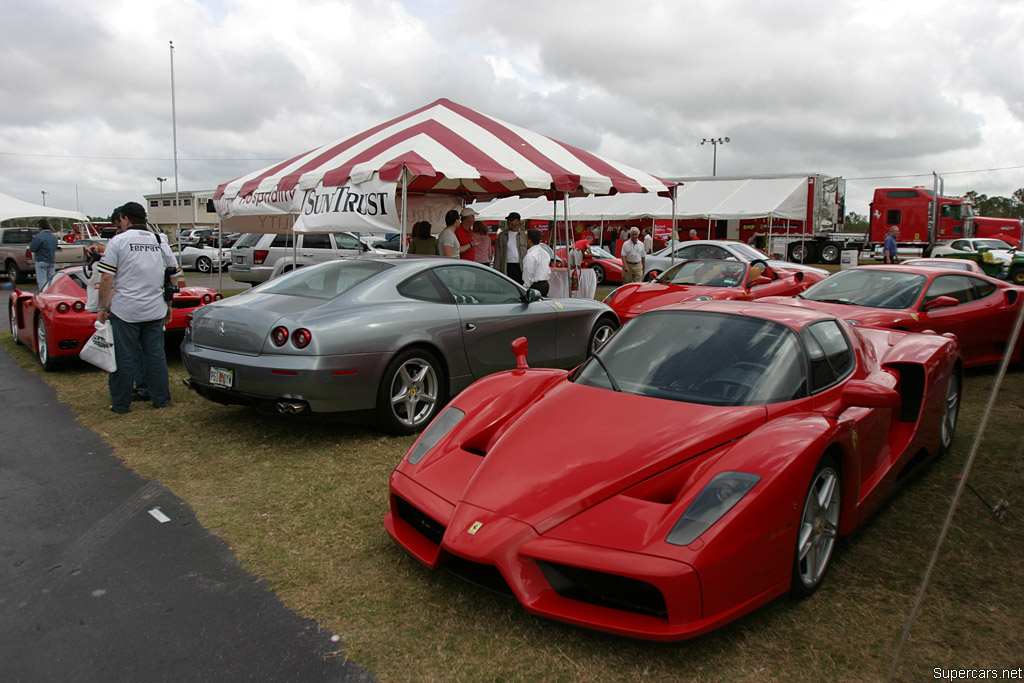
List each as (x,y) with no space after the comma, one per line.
(405,197)
(672,237)
(220,259)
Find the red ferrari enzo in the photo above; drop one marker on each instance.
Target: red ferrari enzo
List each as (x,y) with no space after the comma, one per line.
(704,279)
(981,311)
(702,463)
(55,323)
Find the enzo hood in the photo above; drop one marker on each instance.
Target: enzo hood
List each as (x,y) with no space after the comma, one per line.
(541,471)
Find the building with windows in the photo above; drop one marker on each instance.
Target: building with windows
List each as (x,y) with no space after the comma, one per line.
(194,209)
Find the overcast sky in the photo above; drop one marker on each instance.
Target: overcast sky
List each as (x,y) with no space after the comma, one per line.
(879,92)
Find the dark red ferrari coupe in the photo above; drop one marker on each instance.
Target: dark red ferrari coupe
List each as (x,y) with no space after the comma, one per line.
(55,323)
(704,279)
(980,310)
(702,463)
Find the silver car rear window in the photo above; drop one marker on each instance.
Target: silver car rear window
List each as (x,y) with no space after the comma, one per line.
(326,281)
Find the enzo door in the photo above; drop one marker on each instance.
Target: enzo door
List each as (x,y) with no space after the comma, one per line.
(493,314)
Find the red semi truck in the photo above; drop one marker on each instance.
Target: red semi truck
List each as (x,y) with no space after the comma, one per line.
(922,222)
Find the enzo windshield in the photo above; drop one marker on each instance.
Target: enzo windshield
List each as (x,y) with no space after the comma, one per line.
(599,252)
(327,281)
(873,288)
(700,357)
(705,273)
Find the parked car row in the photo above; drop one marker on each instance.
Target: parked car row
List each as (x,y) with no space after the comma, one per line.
(771,408)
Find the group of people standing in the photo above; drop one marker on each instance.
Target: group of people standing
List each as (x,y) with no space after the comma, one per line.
(463,237)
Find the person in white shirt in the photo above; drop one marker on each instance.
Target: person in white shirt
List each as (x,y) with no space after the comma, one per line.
(132,297)
(536,264)
(633,258)
(510,248)
(648,242)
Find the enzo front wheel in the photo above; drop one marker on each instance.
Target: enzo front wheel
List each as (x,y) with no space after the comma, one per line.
(819,526)
(411,392)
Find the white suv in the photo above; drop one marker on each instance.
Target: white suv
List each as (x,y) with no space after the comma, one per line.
(258,257)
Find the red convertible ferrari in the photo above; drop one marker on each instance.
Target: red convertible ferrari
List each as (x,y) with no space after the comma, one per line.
(980,310)
(55,323)
(700,464)
(704,279)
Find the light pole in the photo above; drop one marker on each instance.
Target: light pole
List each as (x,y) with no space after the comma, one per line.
(44,196)
(715,142)
(161,181)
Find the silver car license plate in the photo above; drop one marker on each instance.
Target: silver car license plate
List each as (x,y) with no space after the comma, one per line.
(222,377)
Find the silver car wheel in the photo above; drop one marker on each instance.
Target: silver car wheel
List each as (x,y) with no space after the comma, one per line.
(819,526)
(414,392)
(952,411)
(204,265)
(601,334)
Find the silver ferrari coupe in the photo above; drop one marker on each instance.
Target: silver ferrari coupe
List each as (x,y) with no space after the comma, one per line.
(393,338)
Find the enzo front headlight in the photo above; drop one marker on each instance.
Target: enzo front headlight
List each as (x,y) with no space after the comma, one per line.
(711,504)
(701,298)
(611,294)
(437,430)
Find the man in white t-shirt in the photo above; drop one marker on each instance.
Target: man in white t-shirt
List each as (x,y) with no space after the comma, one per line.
(132,299)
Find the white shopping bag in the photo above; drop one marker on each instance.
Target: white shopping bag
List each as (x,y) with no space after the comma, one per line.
(99,350)
(92,287)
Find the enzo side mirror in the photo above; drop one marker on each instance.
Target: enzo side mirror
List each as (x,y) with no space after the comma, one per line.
(940,302)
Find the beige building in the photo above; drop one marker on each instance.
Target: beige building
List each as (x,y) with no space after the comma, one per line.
(195,210)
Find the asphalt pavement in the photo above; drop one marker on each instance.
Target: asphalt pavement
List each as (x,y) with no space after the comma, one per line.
(105,576)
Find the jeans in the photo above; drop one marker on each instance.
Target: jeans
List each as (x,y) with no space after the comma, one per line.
(128,339)
(44,272)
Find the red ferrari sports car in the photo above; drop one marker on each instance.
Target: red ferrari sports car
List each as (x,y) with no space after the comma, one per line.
(702,463)
(606,266)
(55,323)
(703,279)
(981,311)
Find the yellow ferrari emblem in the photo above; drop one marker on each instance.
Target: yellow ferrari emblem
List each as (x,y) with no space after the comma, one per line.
(914,316)
(558,304)
(853,438)
(474,527)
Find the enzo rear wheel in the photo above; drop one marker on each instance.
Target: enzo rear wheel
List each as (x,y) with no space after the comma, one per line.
(14,323)
(598,273)
(951,412)
(42,350)
(411,392)
(819,526)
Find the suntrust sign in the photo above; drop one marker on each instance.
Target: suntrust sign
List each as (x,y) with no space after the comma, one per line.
(368,206)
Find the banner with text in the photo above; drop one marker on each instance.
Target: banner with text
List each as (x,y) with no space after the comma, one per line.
(367,206)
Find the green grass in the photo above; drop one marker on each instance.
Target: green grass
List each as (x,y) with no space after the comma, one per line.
(301,505)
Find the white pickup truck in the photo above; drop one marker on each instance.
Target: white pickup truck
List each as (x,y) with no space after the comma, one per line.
(17,259)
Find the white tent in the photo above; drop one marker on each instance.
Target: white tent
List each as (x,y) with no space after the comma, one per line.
(15,208)
(711,199)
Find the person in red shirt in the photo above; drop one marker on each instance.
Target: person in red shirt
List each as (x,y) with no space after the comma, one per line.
(465,233)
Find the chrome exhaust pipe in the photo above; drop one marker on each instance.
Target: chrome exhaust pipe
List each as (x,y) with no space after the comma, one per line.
(187,381)
(291,407)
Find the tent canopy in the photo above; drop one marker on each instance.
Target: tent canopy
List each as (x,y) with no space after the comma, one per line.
(448,149)
(711,199)
(16,208)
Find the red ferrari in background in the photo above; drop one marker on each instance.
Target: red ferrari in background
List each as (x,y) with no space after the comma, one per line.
(980,310)
(704,279)
(55,323)
(606,266)
(700,464)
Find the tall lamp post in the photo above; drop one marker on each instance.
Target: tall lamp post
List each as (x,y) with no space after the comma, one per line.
(715,142)
(161,181)
(44,196)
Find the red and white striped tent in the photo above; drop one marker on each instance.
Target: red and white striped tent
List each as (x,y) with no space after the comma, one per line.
(443,150)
